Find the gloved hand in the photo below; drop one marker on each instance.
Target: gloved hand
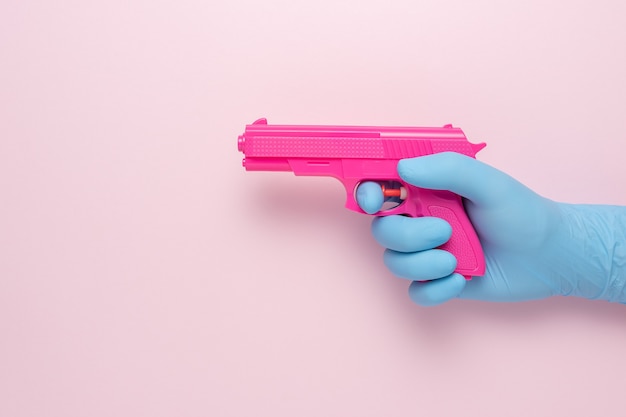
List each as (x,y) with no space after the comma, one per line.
(534,247)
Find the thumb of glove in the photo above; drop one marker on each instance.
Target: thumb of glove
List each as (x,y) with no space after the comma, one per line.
(472,179)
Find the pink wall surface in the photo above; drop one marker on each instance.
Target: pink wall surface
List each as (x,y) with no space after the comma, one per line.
(144,273)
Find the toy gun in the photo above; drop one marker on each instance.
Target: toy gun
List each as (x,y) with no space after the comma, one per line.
(356,154)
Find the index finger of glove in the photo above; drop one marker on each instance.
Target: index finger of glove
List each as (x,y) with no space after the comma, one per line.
(478,182)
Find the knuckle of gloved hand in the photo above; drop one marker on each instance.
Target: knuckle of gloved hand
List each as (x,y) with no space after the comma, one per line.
(411,234)
(420,266)
(422,232)
(423,294)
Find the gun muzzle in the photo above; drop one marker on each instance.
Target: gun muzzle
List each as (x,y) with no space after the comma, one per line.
(261,164)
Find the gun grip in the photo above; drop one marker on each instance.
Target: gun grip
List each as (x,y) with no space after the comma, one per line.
(464,243)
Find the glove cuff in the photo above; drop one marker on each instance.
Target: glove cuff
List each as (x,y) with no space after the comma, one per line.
(594,243)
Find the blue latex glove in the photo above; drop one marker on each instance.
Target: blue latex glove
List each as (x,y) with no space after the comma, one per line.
(534,247)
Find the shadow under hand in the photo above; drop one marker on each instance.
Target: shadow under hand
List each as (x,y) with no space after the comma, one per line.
(449,320)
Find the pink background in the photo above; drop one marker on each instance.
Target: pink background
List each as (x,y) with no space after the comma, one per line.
(143,273)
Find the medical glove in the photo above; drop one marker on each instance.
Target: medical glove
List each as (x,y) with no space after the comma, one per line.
(534,247)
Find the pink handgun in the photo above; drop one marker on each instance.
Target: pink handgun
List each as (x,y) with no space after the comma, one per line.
(355,154)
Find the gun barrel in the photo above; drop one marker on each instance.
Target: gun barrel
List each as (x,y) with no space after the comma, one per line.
(350,142)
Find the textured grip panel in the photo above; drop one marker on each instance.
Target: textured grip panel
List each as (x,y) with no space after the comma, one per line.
(464,243)
(459,244)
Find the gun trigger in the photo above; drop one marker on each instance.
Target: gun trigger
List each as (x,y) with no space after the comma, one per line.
(261,121)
